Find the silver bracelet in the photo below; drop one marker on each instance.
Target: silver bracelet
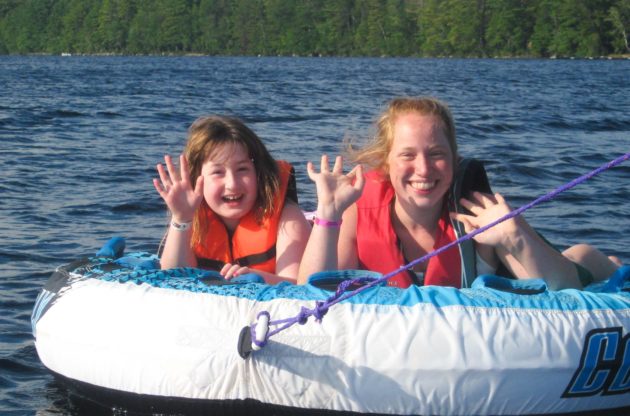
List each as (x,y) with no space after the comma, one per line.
(180,226)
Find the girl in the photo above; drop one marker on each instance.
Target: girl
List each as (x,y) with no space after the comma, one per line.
(409,205)
(234,208)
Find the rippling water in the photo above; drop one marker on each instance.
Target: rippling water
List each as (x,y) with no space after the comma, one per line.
(80,137)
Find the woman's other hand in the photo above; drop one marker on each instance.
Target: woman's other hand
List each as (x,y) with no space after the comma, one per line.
(485,209)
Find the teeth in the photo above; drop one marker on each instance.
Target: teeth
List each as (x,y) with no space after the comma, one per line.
(231,197)
(423,186)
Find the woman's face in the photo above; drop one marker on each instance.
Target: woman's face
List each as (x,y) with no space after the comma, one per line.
(420,161)
(230,187)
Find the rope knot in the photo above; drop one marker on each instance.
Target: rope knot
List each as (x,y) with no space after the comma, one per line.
(321,308)
(302,317)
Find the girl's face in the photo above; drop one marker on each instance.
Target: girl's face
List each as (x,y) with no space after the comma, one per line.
(230,186)
(420,161)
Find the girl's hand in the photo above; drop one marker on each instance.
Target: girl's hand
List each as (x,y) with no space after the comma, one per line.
(335,191)
(176,190)
(485,209)
(230,271)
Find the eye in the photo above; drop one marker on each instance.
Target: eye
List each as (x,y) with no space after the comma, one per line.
(438,154)
(407,156)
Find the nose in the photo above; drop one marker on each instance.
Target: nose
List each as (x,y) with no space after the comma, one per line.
(422,164)
(230,179)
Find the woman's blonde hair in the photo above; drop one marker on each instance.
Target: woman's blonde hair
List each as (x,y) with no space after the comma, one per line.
(210,133)
(374,154)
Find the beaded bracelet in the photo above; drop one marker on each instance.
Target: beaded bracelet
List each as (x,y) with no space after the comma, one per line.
(180,226)
(326,223)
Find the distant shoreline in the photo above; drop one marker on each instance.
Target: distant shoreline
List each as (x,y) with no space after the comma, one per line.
(532,29)
(191,54)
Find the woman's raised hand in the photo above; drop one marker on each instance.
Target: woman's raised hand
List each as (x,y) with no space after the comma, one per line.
(485,209)
(335,191)
(176,190)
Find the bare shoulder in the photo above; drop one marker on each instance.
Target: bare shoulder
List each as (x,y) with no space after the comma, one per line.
(292,212)
(292,220)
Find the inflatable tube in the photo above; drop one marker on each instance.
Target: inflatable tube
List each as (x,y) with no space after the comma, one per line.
(502,347)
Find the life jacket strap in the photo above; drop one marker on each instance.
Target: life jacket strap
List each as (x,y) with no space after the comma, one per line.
(470,176)
(247,261)
(258,258)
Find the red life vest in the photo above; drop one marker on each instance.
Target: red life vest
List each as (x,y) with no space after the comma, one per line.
(378,245)
(253,243)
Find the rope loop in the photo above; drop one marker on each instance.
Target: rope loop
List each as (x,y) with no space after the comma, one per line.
(263,313)
(259,344)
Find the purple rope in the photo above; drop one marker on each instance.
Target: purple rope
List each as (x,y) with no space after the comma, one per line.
(321,307)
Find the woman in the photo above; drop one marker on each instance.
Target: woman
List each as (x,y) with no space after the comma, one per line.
(399,211)
(231,205)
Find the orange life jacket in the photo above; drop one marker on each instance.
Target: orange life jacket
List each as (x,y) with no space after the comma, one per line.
(253,244)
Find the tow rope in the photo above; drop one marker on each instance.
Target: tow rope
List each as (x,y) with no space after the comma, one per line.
(255,337)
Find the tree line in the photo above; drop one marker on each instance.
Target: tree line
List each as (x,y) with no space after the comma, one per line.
(463,28)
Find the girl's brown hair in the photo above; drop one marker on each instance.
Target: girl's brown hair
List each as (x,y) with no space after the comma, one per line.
(210,133)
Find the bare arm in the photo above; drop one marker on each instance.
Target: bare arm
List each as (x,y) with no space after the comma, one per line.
(335,193)
(293,234)
(182,201)
(515,240)
(331,248)
(347,246)
(177,251)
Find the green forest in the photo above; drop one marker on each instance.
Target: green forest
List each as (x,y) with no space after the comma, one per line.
(424,28)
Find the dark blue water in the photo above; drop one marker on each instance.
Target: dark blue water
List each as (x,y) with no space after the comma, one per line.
(80,136)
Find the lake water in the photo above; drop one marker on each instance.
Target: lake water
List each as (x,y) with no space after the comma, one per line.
(80,137)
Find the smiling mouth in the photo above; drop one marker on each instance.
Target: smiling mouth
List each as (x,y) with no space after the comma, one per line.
(232,198)
(423,186)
